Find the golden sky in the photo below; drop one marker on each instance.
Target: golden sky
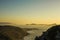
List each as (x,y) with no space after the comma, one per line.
(30,11)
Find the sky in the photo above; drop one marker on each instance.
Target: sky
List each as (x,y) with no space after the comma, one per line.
(30,11)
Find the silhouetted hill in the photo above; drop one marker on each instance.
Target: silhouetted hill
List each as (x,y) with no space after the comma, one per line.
(12,32)
(52,33)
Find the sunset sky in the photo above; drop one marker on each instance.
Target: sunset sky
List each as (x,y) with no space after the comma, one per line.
(30,11)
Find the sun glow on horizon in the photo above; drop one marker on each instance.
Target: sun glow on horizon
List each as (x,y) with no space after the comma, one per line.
(30,11)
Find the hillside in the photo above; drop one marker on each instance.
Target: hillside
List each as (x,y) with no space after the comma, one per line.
(12,32)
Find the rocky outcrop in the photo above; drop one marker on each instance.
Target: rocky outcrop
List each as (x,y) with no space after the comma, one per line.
(52,33)
(8,32)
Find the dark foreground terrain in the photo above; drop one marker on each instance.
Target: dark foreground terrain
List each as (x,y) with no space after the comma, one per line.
(8,32)
(52,33)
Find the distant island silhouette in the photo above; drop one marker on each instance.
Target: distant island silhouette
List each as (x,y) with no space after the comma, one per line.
(5,23)
(31,24)
(41,24)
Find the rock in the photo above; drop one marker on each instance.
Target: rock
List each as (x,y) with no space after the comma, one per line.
(52,33)
(36,38)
